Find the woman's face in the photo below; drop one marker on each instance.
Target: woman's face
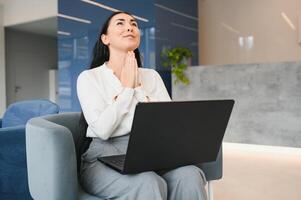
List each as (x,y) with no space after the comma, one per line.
(122,34)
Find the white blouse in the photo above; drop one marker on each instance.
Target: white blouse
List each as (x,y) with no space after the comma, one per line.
(108,106)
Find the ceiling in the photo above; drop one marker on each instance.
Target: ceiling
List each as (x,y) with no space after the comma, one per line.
(78,8)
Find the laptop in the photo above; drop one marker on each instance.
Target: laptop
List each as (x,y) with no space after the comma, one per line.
(167,135)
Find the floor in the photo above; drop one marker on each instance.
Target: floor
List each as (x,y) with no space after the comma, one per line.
(255,172)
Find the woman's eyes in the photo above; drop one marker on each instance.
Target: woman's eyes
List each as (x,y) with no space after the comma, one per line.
(133,24)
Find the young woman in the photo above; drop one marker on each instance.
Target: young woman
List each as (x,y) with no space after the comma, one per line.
(108,93)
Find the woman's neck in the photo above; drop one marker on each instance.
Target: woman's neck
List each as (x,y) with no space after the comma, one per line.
(116,62)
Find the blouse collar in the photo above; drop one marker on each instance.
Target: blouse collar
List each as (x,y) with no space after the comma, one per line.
(112,80)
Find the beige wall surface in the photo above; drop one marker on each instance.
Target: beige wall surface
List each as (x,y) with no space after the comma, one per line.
(244,31)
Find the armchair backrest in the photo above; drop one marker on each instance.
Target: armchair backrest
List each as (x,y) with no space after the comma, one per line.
(20,112)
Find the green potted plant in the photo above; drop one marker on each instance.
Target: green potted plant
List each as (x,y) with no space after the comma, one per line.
(177,58)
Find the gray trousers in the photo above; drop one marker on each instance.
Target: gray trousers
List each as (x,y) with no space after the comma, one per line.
(183,183)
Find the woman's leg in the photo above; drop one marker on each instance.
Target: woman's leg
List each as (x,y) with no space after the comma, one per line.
(104,182)
(186,182)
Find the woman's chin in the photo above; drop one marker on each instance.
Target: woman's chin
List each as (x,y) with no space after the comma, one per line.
(127,48)
(131,48)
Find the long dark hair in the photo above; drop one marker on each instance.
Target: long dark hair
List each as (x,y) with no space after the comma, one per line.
(101,54)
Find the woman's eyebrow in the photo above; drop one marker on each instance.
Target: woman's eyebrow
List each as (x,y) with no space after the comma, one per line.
(132,20)
(120,20)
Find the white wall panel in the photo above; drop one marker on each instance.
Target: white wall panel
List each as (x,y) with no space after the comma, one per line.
(17,12)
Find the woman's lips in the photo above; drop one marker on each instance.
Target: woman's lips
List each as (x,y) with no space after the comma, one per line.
(129,36)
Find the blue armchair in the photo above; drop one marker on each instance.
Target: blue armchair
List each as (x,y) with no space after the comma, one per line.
(13,168)
(54,146)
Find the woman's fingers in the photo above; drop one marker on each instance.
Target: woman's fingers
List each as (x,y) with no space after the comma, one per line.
(137,74)
(128,71)
(132,69)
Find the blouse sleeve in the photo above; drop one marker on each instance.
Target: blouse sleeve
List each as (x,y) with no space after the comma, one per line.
(158,93)
(102,117)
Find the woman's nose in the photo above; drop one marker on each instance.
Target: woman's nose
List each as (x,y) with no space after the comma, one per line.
(129,28)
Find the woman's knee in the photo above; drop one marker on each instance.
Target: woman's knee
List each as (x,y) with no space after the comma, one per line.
(150,186)
(151,179)
(187,174)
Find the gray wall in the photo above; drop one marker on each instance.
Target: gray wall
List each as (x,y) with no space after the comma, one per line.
(28,59)
(2,66)
(268,100)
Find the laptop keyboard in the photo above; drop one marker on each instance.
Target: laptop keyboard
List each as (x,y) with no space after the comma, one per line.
(116,160)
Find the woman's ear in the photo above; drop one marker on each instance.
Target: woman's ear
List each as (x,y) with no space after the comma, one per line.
(104,38)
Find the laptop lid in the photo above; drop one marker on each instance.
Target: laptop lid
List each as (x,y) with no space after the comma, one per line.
(168,135)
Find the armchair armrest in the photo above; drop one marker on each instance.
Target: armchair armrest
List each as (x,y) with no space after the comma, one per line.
(13,170)
(51,161)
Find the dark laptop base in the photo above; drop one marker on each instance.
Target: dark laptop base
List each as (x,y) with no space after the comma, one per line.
(116,162)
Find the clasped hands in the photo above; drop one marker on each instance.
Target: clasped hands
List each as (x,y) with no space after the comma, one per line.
(129,76)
